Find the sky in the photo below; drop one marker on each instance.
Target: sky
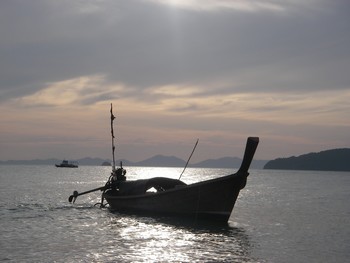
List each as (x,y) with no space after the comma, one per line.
(176,71)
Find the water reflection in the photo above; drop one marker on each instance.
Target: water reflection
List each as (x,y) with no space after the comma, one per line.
(84,232)
(143,239)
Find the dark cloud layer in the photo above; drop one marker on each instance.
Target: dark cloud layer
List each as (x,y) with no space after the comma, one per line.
(145,44)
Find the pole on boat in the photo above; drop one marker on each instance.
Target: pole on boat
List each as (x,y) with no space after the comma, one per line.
(112,133)
(75,194)
(189,158)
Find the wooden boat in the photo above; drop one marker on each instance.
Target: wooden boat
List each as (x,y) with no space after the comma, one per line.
(67,164)
(211,199)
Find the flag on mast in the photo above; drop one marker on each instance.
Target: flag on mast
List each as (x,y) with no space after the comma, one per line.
(112,119)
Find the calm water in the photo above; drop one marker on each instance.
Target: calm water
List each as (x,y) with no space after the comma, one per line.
(281,216)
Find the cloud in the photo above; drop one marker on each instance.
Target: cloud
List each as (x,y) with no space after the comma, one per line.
(142,44)
(296,108)
(78,91)
(183,67)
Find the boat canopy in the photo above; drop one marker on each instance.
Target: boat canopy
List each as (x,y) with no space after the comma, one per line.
(142,186)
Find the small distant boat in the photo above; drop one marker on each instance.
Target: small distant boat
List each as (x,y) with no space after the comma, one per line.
(67,164)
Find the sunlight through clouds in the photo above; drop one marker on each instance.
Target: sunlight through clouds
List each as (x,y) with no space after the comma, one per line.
(213,5)
(175,90)
(73,91)
(296,108)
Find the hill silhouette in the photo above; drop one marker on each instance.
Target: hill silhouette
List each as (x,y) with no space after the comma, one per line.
(155,161)
(329,160)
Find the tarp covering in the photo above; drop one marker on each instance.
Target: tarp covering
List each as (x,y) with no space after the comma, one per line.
(141,186)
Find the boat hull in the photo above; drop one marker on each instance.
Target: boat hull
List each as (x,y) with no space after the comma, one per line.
(66,166)
(213,199)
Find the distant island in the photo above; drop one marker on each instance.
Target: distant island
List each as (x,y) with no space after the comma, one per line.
(329,160)
(155,161)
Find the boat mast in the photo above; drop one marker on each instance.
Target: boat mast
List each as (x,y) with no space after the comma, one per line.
(112,133)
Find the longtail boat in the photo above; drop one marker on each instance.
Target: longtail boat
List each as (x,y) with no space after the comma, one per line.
(212,199)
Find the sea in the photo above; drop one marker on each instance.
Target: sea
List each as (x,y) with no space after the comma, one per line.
(280,216)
